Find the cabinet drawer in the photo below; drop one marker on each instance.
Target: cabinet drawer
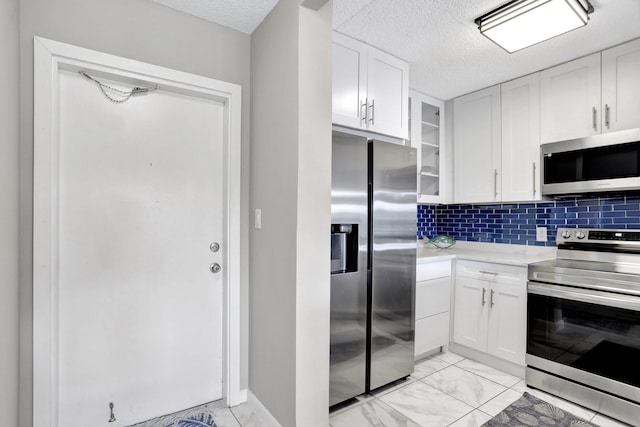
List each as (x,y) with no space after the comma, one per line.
(498,273)
(431,333)
(433,297)
(433,270)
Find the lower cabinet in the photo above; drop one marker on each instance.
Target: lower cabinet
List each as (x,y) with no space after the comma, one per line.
(490,309)
(433,300)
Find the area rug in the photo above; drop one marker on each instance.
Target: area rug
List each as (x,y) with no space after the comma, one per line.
(531,411)
(200,416)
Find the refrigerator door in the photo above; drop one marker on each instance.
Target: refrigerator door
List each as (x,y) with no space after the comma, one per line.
(393,262)
(349,197)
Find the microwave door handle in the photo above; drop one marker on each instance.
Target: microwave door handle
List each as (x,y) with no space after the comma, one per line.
(628,302)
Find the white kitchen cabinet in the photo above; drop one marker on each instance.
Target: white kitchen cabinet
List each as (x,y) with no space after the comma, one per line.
(490,309)
(570,100)
(433,301)
(595,94)
(520,177)
(470,312)
(370,88)
(349,81)
(498,131)
(426,132)
(621,87)
(497,143)
(507,320)
(477,146)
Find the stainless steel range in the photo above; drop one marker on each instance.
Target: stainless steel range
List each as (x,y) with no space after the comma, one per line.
(583,329)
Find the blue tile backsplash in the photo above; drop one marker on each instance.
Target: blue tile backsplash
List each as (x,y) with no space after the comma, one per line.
(515,223)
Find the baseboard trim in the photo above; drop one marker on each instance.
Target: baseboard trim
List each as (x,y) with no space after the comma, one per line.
(426,354)
(489,360)
(261,412)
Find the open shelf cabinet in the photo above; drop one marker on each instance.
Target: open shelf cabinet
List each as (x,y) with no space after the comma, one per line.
(426,126)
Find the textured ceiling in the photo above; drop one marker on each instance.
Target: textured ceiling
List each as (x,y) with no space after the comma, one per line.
(447,55)
(438,38)
(241,15)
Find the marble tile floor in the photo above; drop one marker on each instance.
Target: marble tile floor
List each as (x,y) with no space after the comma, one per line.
(445,390)
(238,416)
(448,390)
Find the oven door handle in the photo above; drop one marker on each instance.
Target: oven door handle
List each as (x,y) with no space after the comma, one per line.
(628,302)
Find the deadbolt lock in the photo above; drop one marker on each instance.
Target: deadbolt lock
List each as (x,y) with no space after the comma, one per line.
(215,267)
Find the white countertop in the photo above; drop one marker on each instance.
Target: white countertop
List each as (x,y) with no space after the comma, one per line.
(520,255)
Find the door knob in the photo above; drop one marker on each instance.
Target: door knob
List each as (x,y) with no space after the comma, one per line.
(215,247)
(215,268)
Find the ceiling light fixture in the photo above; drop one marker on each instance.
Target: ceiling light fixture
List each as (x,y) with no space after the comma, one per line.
(522,23)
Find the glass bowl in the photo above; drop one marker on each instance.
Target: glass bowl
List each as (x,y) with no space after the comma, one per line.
(442,242)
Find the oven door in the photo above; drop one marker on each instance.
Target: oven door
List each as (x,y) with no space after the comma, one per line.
(586,336)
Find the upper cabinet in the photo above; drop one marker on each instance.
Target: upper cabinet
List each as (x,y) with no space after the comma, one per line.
(426,131)
(497,143)
(477,145)
(498,130)
(595,94)
(349,81)
(621,87)
(570,99)
(370,88)
(521,139)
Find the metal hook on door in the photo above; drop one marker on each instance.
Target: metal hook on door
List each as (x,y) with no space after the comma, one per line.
(113,417)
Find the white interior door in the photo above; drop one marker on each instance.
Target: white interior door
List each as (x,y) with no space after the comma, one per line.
(140,202)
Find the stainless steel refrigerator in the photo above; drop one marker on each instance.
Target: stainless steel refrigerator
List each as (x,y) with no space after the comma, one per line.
(373,264)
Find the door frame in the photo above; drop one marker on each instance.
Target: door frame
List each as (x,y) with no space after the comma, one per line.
(49,58)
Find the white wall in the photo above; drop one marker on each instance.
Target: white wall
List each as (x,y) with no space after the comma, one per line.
(314,217)
(274,167)
(137,29)
(290,182)
(9,142)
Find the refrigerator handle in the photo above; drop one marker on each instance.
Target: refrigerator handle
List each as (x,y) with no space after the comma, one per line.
(370,230)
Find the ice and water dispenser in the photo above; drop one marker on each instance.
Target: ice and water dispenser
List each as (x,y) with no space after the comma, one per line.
(344,248)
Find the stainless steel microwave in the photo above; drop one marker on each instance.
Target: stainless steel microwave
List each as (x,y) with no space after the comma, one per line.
(599,163)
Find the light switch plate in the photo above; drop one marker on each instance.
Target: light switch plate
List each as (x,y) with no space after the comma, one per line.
(258,219)
(541,234)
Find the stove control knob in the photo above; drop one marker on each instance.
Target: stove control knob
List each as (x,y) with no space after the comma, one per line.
(566,234)
(580,235)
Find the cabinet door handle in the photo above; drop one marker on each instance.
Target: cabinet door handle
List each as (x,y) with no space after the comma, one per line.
(495,184)
(373,112)
(484,301)
(606,115)
(491,299)
(363,116)
(534,179)
(594,114)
